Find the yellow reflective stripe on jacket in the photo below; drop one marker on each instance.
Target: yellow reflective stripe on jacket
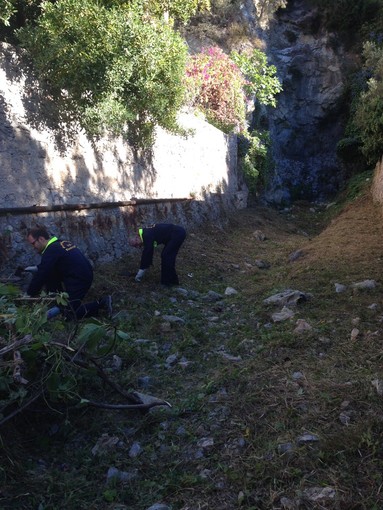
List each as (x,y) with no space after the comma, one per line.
(51,240)
(141,232)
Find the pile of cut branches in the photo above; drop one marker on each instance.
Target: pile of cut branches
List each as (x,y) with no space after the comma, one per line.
(54,360)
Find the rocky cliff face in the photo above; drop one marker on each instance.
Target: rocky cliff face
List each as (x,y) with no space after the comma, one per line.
(309,119)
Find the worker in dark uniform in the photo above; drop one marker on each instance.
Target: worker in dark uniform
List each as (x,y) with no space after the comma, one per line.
(172,237)
(64,268)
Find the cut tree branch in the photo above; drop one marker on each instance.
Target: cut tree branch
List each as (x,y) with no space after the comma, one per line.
(27,339)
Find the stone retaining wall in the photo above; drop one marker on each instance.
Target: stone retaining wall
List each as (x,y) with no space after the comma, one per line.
(43,163)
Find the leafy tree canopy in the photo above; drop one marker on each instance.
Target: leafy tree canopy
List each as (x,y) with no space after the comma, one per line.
(179,11)
(118,65)
(7,8)
(261,80)
(108,68)
(368,117)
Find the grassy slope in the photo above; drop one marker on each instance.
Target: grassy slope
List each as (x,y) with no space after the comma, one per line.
(249,405)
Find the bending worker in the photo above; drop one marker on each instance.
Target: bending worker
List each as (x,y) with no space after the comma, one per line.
(172,236)
(64,268)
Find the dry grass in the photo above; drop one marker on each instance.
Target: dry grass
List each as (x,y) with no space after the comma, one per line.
(350,242)
(277,386)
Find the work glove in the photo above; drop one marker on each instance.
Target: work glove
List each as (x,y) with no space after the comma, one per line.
(139,275)
(31,269)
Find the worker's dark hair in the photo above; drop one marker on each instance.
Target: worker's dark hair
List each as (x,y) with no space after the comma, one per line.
(39,232)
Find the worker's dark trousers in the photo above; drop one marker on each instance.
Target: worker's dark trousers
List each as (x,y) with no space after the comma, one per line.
(168,256)
(75,308)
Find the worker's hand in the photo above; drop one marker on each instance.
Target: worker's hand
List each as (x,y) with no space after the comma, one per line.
(140,274)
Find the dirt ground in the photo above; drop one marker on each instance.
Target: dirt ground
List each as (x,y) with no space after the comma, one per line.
(244,389)
(350,245)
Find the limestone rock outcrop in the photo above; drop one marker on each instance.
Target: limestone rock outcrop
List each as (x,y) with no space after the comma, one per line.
(309,118)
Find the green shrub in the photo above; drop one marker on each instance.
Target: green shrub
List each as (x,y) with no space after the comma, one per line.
(252,155)
(109,69)
(7,8)
(220,85)
(368,116)
(369,119)
(358,184)
(261,80)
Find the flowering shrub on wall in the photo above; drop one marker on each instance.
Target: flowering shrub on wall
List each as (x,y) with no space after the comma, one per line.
(215,85)
(221,86)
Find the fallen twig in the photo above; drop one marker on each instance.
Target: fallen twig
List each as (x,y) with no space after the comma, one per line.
(133,396)
(27,339)
(28,298)
(138,407)
(63,346)
(17,375)
(100,372)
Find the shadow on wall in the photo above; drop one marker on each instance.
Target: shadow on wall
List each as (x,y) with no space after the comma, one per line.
(41,111)
(43,166)
(44,158)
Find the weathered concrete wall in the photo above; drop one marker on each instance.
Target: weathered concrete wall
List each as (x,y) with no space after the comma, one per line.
(43,163)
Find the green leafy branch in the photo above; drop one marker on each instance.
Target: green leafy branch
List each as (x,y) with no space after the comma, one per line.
(53,360)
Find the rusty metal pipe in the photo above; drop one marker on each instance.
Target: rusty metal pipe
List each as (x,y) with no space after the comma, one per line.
(35,209)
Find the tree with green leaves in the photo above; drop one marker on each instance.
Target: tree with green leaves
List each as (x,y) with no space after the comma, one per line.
(113,65)
(367,120)
(174,11)
(55,362)
(7,9)
(262,83)
(220,85)
(215,86)
(118,66)
(179,11)
(107,68)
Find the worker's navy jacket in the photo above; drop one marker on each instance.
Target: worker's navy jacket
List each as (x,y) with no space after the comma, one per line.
(62,265)
(161,233)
